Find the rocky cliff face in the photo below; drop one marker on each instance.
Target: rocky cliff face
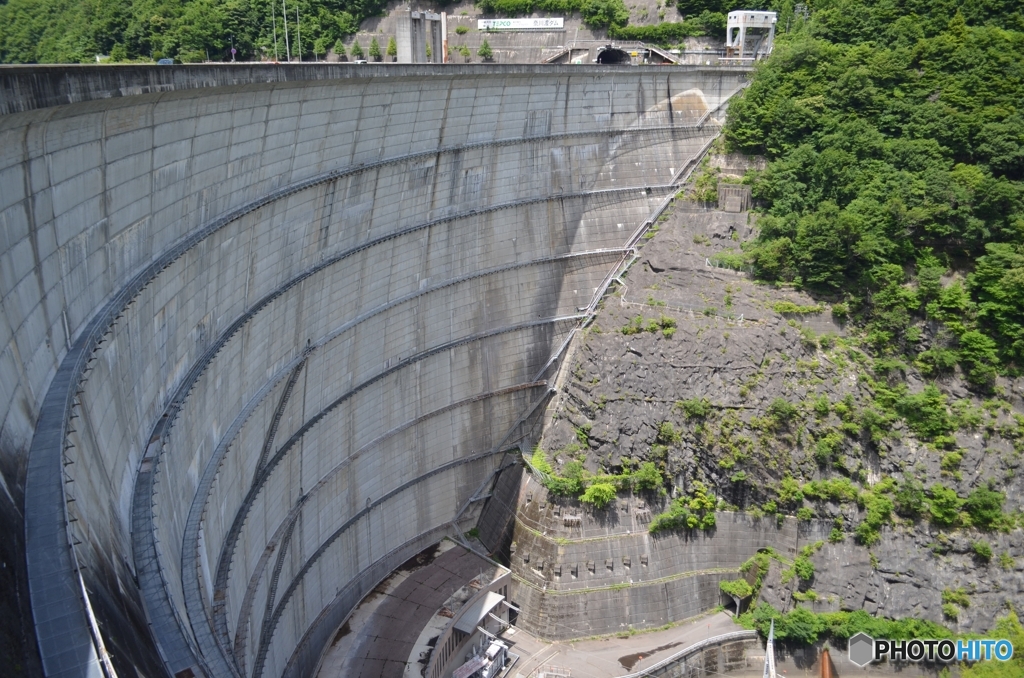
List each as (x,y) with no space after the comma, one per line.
(757,391)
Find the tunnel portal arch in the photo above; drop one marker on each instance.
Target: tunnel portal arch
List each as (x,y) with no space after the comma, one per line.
(613,56)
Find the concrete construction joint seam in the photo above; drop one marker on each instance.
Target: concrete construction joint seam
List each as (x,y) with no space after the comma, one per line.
(196,608)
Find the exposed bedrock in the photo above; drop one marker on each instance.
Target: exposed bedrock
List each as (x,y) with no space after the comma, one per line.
(268,331)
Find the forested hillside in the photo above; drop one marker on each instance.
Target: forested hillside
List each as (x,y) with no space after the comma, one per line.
(896,183)
(73,31)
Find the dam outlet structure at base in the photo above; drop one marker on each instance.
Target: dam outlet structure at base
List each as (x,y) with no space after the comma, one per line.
(269,331)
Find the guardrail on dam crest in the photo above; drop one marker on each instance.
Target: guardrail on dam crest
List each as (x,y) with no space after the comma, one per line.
(269,329)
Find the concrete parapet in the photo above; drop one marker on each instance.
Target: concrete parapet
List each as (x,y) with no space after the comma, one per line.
(26,88)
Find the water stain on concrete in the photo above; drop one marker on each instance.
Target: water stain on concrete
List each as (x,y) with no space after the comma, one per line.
(630,660)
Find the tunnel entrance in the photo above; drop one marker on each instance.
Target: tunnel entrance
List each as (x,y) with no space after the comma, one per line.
(610,55)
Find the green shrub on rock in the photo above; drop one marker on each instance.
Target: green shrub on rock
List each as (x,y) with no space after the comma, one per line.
(944,505)
(984,505)
(804,568)
(694,512)
(738,588)
(648,477)
(599,495)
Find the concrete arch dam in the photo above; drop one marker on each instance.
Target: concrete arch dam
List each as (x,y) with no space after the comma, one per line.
(268,330)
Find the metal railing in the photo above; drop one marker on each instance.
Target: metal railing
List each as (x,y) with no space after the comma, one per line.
(694,649)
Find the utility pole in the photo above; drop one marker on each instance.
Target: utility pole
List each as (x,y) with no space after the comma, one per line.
(273,15)
(284,15)
(298,33)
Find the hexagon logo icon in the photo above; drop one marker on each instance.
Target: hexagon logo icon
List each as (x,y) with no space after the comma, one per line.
(862,649)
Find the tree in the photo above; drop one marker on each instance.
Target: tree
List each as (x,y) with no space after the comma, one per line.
(356,51)
(789,492)
(200,28)
(375,53)
(909,498)
(119,53)
(339,48)
(392,50)
(944,505)
(485,52)
(781,411)
(926,413)
(599,494)
(985,506)
(801,626)
(804,568)
(978,358)
(320,46)
(604,13)
(648,477)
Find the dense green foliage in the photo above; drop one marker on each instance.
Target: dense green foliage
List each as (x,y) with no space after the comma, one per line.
(672,32)
(696,511)
(539,461)
(598,494)
(700,17)
(895,136)
(803,568)
(595,13)
(664,324)
(736,587)
(800,625)
(63,31)
(984,506)
(576,481)
(1008,627)
(695,408)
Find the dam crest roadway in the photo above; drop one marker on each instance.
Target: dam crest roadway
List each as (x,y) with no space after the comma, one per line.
(270,331)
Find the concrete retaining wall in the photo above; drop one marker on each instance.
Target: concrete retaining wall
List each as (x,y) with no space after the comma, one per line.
(610,574)
(266,327)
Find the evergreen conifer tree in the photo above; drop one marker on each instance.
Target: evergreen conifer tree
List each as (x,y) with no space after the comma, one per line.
(485,52)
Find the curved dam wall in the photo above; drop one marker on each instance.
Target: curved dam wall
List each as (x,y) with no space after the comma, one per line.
(268,330)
